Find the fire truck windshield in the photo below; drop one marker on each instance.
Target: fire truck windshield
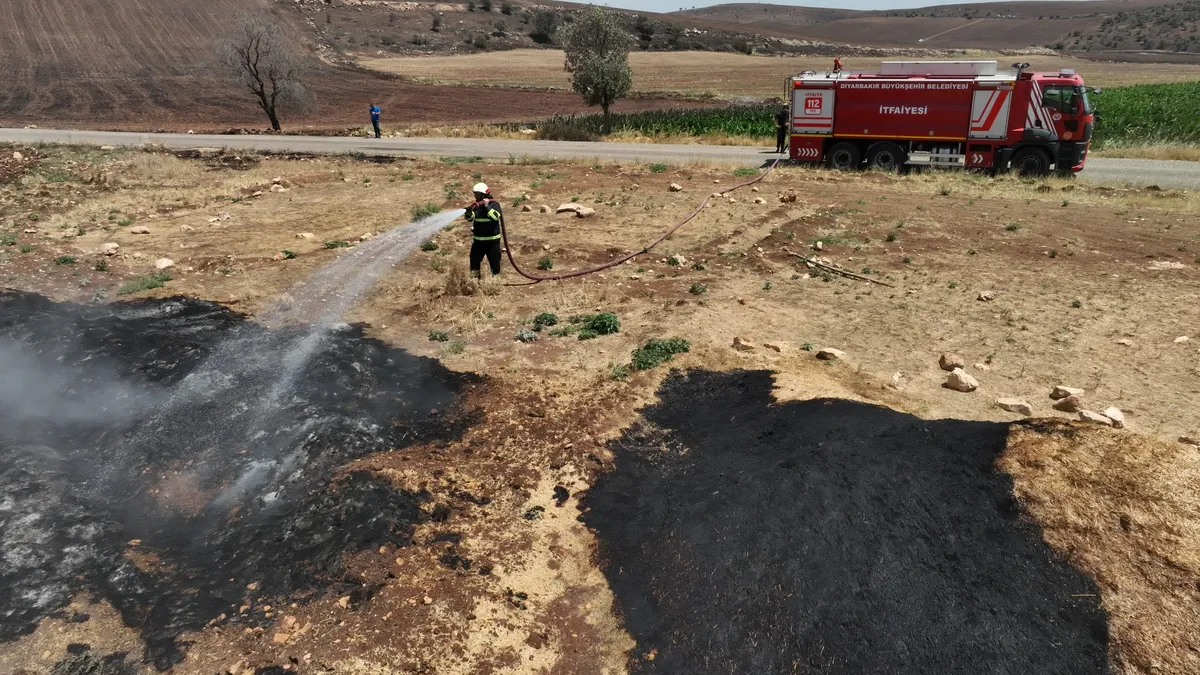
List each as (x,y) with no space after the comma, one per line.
(1066,99)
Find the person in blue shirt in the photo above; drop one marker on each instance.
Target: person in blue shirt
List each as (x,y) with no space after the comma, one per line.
(375,119)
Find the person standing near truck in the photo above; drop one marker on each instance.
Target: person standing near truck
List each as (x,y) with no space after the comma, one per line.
(375,119)
(781,129)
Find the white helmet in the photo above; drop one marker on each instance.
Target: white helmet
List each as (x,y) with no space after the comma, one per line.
(481,189)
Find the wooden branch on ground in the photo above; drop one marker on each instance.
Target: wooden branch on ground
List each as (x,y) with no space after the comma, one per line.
(835,270)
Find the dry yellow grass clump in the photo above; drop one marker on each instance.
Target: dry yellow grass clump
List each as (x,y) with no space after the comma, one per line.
(1124,509)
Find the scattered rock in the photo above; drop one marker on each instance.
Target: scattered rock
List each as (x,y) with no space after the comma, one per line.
(759,200)
(897,381)
(776,347)
(289,621)
(304,235)
(830,354)
(30,230)
(1117,417)
(163,263)
(529,132)
(344,601)
(281,638)
(754,189)
(1061,391)
(987,296)
(545,208)
(741,301)
(1095,418)
(578,209)
(525,208)
(732,200)
(1182,339)
(675,187)
(742,345)
(110,248)
(1015,405)
(278,188)
(18,156)
(213,219)
(140,229)
(427,600)
(982,367)
(949,362)
(961,380)
(367,235)
(278,257)
(1070,404)
(107,148)
(1188,440)
(717,195)
(1125,341)
(715,182)
(585,212)
(277,179)
(820,246)
(545,247)
(678,259)
(787,198)
(186,228)
(257,193)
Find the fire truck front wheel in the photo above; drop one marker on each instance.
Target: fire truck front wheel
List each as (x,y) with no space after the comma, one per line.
(886,156)
(844,157)
(1031,162)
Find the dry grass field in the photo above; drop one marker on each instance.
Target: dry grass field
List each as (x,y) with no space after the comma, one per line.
(1091,288)
(724,75)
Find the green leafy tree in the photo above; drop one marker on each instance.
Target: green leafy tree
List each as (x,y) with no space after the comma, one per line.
(597,56)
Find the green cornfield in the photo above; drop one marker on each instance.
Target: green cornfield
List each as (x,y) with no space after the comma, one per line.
(1139,115)
(1148,114)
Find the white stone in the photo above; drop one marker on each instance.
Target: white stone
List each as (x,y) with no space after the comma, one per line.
(675,187)
(830,354)
(278,188)
(1015,405)
(1095,418)
(107,148)
(759,200)
(1061,391)
(140,229)
(304,235)
(525,208)
(1182,339)
(1126,342)
(186,228)
(1117,417)
(110,248)
(569,208)
(982,367)
(820,246)
(961,380)
(897,381)
(18,156)
(545,208)
(163,263)
(987,296)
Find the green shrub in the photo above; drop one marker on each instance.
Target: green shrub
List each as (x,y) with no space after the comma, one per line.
(439,336)
(658,168)
(526,335)
(425,210)
(545,263)
(8,239)
(456,347)
(745,171)
(289,255)
(698,289)
(64,260)
(604,323)
(657,351)
(337,244)
(587,334)
(144,283)
(619,372)
(430,245)
(544,320)
(101,266)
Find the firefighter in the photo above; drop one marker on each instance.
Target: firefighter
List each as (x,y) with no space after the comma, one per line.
(484,215)
(837,65)
(781,129)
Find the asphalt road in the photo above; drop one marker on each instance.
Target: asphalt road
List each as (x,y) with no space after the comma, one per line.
(1173,174)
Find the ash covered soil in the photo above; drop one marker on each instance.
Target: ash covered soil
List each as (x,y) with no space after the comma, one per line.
(828,536)
(177,501)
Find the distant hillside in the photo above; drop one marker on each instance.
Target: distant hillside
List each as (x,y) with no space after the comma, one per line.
(1099,25)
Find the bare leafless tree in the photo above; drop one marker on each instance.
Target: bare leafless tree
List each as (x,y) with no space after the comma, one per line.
(260,55)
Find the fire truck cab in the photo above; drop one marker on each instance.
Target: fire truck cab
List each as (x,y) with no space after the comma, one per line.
(957,114)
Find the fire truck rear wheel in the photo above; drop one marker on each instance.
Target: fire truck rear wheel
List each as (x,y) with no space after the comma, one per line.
(886,156)
(1031,162)
(844,157)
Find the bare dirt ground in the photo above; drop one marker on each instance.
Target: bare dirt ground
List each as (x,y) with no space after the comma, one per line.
(718,74)
(1093,288)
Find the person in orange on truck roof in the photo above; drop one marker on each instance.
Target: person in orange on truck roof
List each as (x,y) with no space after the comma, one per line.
(837,65)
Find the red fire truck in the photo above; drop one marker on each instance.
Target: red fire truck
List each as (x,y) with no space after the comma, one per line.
(965,114)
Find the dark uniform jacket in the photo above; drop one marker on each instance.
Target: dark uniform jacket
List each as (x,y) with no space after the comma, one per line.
(484,217)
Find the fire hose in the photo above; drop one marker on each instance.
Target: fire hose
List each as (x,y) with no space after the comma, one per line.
(537,278)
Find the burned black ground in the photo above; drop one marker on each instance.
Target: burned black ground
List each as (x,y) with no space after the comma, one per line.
(828,536)
(177,501)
